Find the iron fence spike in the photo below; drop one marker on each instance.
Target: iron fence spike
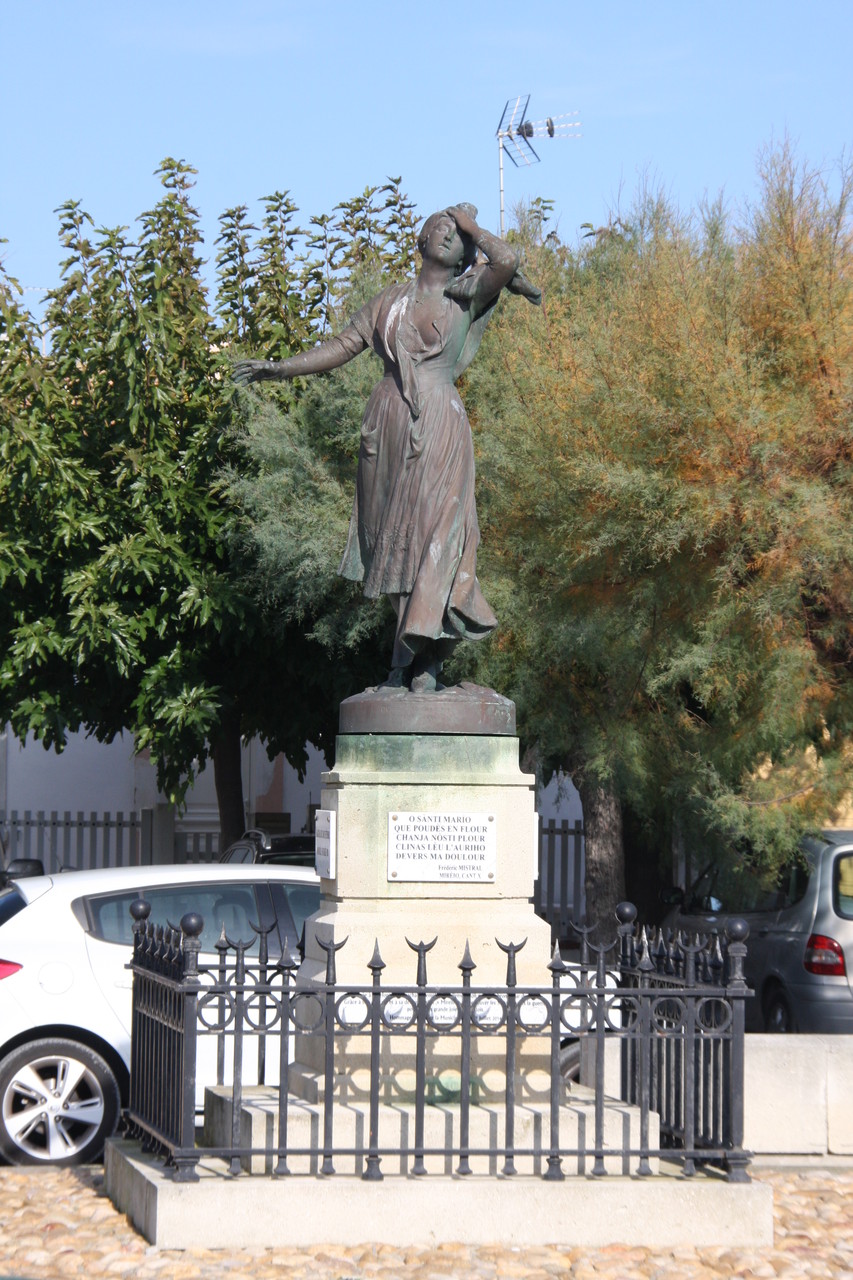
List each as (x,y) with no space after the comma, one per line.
(467,963)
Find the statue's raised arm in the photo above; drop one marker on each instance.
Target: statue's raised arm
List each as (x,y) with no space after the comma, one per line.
(413,534)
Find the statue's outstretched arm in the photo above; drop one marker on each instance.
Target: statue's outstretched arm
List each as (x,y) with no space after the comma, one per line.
(326,355)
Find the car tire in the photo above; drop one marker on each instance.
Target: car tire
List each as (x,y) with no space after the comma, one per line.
(59,1102)
(777,1013)
(570,1059)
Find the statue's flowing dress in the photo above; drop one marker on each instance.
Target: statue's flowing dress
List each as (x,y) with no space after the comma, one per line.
(413,531)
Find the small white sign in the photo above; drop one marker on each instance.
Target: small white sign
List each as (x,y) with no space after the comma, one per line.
(535,846)
(326,847)
(442,846)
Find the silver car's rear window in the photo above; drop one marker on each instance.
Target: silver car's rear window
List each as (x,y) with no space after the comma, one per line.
(11,902)
(843,885)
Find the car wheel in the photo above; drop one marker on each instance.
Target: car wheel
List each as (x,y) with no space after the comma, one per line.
(777,1013)
(59,1102)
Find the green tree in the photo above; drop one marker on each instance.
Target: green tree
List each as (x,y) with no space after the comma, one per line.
(667,508)
(144,614)
(294,485)
(45,516)
(135,595)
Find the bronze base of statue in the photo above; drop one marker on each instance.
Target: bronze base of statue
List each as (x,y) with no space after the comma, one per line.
(464,708)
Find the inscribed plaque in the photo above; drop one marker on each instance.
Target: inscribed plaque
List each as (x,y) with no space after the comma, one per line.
(441,846)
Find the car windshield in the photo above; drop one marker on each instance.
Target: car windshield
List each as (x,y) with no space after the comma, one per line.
(11,902)
(844,886)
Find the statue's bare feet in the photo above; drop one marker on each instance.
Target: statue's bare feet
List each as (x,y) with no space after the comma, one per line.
(425,672)
(398,678)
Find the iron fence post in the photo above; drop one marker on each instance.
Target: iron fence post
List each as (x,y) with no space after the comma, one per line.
(419,1167)
(262,991)
(737,1159)
(185,1158)
(289,964)
(691,1049)
(626,915)
(372,1172)
(598,1168)
(511,950)
(140,911)
(222,1005)
(467,966)
(328,1166)
(645,966)
(237,1083)
(554,1171)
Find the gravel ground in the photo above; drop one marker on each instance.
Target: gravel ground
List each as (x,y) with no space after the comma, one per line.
(57,1224)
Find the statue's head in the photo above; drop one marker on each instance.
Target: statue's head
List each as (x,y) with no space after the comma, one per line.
(440,238)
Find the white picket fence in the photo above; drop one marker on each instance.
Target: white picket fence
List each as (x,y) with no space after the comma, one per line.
(80,841)
(558,894)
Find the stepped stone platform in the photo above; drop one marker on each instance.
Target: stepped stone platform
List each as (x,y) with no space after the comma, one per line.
(259,1128)
(221,1212)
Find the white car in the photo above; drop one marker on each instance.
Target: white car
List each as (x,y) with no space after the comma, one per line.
(65,989)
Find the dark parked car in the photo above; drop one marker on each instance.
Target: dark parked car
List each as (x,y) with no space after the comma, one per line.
(17,868)
(281,850)
(800,945)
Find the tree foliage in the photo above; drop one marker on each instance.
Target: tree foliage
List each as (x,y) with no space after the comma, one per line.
(664,491)
(666,501)
(135,594)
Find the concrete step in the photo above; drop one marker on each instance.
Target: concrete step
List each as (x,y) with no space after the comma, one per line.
(259,1129)
(222,1212)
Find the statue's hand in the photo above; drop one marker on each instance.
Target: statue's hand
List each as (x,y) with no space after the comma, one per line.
(246,371)
(464,222)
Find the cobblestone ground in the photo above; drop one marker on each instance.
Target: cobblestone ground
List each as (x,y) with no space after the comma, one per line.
(57,1224)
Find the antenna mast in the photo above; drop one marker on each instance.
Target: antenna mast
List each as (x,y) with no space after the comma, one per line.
(515,131)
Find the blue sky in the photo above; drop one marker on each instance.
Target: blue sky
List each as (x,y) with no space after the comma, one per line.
(326,98)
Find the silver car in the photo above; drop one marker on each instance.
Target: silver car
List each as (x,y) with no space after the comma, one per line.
(800,945)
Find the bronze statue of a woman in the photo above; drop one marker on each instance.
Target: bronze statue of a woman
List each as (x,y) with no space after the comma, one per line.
(414,535)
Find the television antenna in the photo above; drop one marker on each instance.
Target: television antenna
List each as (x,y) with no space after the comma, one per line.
(515,131)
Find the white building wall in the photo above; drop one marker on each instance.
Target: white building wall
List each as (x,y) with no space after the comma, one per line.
(87,775)
(90,776)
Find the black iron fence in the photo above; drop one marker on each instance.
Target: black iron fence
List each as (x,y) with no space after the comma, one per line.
(687,1057)
(670,1010)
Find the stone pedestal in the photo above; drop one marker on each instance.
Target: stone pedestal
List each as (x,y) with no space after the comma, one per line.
(449,799)
(448,777)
